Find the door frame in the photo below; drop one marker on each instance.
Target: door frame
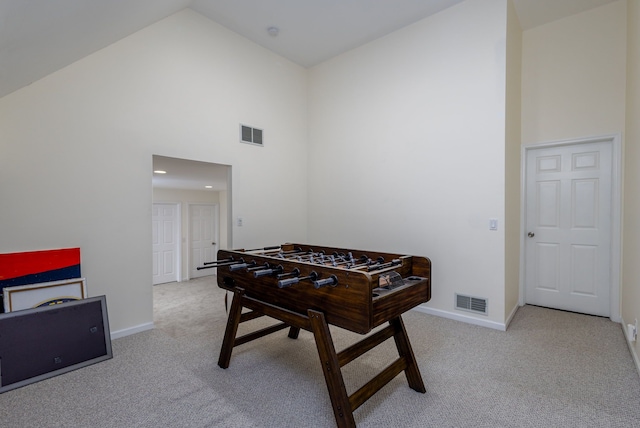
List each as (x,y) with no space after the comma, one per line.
(216,230)
(616,212)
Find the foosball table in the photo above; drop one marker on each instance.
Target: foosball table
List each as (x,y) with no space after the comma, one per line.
(311,287)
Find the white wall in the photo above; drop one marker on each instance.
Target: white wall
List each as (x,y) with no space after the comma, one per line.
(573,76)
(76,150)
(631,267)
(184,198)
(407,150)
(410,144)
(512,163)
(574,82)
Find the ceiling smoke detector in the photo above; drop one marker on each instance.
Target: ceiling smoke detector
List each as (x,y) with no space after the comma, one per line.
(273,31)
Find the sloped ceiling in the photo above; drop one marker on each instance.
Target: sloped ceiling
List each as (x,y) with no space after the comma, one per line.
(38,37)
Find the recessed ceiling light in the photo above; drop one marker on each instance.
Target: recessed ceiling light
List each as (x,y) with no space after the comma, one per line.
(159,171)
(209,187)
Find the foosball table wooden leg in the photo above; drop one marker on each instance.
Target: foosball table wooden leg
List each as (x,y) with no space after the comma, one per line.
(232,328)
(412,372)
(294,332)
(331,370)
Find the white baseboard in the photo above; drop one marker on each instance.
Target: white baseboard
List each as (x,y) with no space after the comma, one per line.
(511,315)
(463,318)
(632,348)
(131,330)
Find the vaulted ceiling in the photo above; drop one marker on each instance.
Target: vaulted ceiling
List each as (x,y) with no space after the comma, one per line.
(38,37)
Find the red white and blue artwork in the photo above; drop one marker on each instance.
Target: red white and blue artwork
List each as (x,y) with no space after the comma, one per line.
(33,267)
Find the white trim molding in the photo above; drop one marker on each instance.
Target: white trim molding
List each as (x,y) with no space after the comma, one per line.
(632,348)
(616,213)
(463,318)
(132,330)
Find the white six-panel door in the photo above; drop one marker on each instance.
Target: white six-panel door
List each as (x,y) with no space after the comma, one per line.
(203,232)
(568,227)
(165,243)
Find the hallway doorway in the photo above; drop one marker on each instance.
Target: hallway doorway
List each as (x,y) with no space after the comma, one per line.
(191,183)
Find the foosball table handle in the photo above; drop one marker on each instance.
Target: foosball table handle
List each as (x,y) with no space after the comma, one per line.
(331,281)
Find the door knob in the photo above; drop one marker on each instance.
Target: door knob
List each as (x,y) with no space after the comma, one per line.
(531,234)
(213,243)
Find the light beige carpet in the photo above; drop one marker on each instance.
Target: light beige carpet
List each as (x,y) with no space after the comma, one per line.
(550,369)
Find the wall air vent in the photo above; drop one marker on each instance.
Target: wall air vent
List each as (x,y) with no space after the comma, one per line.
(472,304)
(250,135)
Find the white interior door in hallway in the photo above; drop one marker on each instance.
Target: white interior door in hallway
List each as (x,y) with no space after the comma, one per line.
(165,243)
(568,227)
(203,238)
